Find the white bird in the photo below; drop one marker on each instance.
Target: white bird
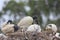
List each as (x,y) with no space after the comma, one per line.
(25,22)
(34,28)
(53,27)
(9,27)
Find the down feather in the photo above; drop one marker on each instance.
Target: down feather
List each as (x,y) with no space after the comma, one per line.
(34,28)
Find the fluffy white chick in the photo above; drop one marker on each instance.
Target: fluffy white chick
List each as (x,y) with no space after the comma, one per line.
(34,28)
(53,27)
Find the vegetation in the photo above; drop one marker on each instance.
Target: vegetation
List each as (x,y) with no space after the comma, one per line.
(37,8)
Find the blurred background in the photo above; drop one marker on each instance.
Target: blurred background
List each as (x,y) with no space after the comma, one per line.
(47,11)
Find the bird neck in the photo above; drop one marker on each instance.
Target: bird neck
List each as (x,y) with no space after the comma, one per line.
(35,22)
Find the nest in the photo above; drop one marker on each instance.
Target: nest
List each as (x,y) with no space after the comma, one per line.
(27,36)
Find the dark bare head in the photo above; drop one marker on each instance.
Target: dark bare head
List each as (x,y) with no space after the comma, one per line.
(9,21)
(35,18)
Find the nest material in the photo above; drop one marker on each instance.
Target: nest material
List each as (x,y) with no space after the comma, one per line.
(27,36)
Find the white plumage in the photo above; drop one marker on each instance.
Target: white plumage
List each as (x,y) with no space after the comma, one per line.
(5,23)
(53,27)
(25,22)
(34,28)
(8,28)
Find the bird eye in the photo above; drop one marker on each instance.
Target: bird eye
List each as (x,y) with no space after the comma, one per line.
(50,25)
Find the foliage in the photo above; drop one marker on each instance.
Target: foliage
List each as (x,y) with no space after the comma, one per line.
(36,6)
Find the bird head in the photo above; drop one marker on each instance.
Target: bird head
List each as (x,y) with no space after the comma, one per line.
(9,21)
(51,27)
(35,18)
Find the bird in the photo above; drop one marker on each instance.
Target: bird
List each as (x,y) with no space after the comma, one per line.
(25,22)
(9,27)
(51,28)
(34,27)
